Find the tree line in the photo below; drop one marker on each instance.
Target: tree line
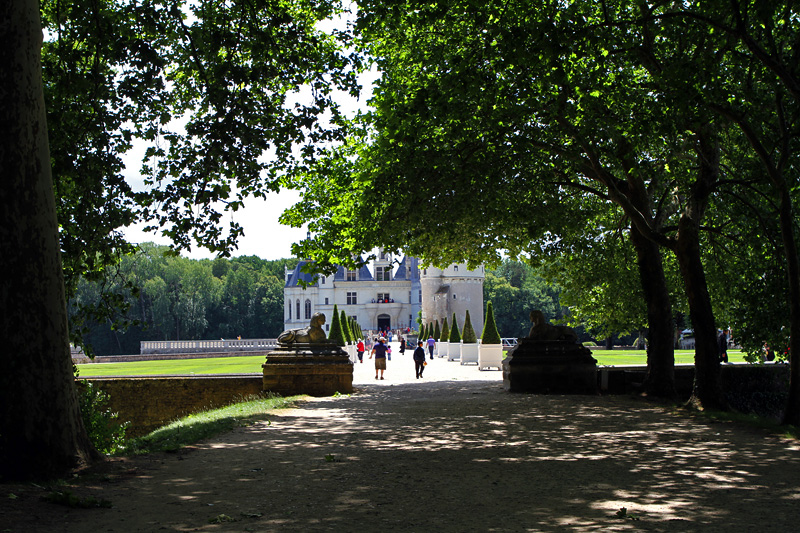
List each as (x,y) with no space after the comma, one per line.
(644,153)
(157,295)
(154,294)
(648,151)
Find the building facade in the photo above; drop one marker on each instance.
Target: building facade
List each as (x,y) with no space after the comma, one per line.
(390,295)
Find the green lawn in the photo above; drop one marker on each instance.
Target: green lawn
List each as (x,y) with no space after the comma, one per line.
(252,364)
(213,365)
(639,357)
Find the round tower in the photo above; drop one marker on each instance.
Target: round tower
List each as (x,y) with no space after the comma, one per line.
(454,289)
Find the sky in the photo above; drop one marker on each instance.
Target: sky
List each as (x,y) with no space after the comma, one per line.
(263,236)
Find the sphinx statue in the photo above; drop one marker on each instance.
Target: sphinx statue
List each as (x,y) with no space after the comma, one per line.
(313,334)
(542,331)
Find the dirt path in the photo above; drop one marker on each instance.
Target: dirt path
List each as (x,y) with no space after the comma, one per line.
(451,455)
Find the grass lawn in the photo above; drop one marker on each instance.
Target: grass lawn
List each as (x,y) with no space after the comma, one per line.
(252,364)
(183,367)
(639,357)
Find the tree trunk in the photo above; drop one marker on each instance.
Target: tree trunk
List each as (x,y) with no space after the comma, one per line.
(41,432)
(792,413)
(660,379)
(707,392)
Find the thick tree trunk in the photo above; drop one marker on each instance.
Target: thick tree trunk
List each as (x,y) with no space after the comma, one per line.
(792,413)
(707,392)
(41,433)
(660,379)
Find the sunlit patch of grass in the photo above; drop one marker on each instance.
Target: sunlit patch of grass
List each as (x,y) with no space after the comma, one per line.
(206,424)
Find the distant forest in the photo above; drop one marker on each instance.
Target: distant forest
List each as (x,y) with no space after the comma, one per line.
(164,297)
(167,297)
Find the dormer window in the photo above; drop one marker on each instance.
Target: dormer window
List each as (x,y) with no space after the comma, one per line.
(351,275)
(383,273)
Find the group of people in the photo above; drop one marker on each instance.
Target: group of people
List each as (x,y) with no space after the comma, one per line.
(381,351)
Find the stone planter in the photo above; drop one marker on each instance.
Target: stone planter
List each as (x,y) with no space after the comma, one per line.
(490,356)
(352,352)
(469,352)
(443,348)
(453,351)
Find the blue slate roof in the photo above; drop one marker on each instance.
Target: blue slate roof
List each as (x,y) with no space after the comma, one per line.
(298,275)
(408,269)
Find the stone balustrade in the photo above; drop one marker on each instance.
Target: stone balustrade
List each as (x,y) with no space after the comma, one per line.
(207,346)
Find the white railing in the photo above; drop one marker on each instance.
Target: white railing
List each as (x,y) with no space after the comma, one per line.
(202,346)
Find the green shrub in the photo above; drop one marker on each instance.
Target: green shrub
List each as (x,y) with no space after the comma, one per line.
(445,332)
(337,334)
(346,333)
(106,432)
(469,331)
(490,334)
(436,332)
(455,335)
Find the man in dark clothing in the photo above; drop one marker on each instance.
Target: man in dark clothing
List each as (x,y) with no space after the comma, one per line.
(379,351)
(722,346)
(419,359)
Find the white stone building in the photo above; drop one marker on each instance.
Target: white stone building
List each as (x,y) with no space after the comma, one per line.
(389,295)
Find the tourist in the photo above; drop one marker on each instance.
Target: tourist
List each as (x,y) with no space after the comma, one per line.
(722,346)
(402,345)
(360,350)
(379,351)
(431,345)
(419,359)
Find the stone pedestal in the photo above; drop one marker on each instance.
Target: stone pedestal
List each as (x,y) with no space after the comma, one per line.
(319,369)
(550,367)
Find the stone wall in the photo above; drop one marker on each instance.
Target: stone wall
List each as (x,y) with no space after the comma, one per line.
(150,402)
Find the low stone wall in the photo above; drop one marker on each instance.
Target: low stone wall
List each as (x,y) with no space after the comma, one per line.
(151,402)
(752,389)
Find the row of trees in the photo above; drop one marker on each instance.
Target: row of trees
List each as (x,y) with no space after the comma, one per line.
(664,131)
(178,298)
(447,333)
(645,151)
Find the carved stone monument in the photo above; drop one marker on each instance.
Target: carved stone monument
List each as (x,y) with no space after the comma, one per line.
(306,362)
(550,360)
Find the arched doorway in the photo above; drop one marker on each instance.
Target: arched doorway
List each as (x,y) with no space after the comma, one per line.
(384,322)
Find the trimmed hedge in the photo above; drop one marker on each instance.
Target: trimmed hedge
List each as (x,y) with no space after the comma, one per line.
(490,334)
(469,331)
(455,335)
(337,333)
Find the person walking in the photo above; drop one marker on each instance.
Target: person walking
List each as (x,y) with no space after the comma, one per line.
(431,345)
(360,350)
(419,359)
(722,346)
(402,345)
(379,351)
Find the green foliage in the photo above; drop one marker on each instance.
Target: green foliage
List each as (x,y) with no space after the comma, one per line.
(345,323)
(125,72)
(490,333)
(469,331)
(515,289)
(455,335)
(445,331)
(336,333)
(436,331)
(183,299)
(105,430)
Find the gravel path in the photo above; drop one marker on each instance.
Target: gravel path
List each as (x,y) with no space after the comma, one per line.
(452,452)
